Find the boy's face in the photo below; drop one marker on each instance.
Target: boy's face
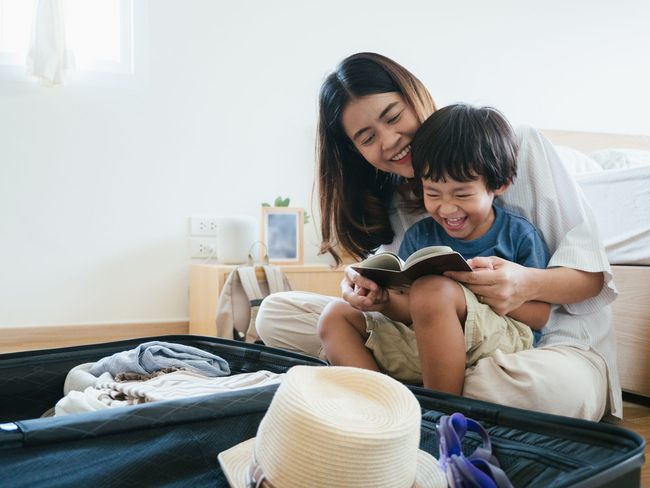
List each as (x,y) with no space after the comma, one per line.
(462,208)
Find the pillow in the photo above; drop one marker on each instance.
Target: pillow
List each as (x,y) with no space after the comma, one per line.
(576,161)
(621,158)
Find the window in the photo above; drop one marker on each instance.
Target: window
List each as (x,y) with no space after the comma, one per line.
(16,20)
(99,33)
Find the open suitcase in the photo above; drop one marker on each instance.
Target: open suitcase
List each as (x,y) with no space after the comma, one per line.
(155,444)
(176,442)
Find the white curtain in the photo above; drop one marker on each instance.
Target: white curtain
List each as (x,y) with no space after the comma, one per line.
(48,57)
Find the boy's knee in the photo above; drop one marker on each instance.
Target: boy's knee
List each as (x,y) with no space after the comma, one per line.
(334,313)
(340,314)
(444,289)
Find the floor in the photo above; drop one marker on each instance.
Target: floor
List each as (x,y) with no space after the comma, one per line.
(636,413)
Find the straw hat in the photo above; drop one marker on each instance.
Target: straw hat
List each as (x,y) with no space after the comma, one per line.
(335,427)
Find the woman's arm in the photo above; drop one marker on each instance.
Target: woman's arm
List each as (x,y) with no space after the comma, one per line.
(508,285)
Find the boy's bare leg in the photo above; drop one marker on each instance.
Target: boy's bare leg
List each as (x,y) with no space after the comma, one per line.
(438,310)
(342,331)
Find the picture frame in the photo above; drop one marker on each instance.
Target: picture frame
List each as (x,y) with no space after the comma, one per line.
(282,234)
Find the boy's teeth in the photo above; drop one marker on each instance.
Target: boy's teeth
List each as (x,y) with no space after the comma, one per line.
(402,154)
(457,222)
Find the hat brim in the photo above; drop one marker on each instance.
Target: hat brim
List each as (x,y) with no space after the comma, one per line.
(236,460)
(429,474)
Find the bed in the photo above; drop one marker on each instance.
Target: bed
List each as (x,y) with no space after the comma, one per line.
(614,173)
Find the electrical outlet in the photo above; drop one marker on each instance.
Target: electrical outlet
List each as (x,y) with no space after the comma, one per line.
(203,247)
(203,225)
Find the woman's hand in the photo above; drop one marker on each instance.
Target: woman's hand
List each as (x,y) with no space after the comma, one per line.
(362,293)
(501,284)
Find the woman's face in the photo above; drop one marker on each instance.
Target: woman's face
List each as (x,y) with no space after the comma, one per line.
(381,127)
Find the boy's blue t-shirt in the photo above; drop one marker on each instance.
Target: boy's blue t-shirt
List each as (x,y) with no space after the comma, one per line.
(511,237)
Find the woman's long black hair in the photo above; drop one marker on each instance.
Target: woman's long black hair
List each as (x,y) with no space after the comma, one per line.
(355,197)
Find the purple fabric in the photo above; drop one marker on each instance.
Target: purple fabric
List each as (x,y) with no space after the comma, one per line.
(481,468)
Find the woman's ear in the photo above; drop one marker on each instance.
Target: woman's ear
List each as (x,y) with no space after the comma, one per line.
(502,189)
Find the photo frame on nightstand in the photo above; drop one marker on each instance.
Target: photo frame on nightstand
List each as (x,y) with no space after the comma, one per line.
(282,234)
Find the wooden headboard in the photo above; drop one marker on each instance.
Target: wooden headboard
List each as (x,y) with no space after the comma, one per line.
(631,309)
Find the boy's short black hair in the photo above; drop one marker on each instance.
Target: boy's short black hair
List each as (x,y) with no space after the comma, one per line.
(464,142)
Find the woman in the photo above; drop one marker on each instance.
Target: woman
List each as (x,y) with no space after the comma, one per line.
(369,109)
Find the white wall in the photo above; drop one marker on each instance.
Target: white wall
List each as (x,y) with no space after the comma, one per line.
(97,181)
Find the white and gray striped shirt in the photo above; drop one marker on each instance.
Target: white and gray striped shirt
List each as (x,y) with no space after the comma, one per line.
(545,193)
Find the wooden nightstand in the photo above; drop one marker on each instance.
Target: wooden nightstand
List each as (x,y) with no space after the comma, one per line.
(207,280)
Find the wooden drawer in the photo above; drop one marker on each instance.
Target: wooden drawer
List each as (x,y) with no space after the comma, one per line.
(207,280)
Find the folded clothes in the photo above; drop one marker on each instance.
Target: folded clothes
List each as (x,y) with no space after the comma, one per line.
(156,355)
(184,384)
(107,393)
(79,378)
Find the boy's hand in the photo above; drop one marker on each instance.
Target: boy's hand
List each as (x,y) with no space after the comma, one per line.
(362,293)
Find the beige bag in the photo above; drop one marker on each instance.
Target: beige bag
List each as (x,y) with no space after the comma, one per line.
(240,300)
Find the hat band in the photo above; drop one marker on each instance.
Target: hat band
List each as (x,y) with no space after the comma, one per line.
(257,478)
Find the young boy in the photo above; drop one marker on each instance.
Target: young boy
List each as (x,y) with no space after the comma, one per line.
(463,157)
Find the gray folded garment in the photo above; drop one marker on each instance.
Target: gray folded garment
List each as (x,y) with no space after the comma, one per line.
(153,356)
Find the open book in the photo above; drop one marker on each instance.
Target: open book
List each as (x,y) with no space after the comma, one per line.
(387,269)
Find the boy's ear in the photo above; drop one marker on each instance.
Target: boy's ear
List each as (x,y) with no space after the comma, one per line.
(502,189)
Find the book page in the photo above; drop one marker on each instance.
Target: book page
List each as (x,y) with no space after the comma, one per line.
(383,260)
(385,270)
(426,252)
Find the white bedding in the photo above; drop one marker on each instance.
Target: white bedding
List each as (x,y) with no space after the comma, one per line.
(620,199)
(618,189)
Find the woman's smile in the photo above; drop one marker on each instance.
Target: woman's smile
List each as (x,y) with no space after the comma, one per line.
(404,156)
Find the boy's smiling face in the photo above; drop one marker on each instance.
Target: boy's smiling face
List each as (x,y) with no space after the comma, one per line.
(462,208)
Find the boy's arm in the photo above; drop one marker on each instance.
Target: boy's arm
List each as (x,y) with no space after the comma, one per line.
(534,314)
(397,306)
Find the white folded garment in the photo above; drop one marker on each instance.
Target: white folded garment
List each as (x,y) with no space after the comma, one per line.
(108,393)
(183,384)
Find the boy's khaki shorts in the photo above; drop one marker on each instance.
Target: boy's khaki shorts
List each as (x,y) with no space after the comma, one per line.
(395,349)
